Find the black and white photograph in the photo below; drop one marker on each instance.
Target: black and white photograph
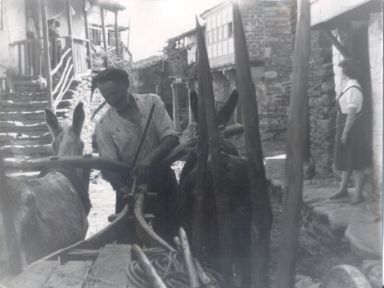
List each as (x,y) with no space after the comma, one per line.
(191,143)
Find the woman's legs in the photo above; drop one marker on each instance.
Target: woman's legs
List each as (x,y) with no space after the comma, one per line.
(343,191)
(360,181)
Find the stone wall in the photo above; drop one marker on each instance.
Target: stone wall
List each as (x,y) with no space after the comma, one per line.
(322,112)
(269,40)
(277,65)
(153,79)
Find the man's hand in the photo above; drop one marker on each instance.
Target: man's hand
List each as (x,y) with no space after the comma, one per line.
(142,170)
(124,191)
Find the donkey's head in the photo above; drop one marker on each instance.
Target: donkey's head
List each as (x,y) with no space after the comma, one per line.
(66,139)
(224,114)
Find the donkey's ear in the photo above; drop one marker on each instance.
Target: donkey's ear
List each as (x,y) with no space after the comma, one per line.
(225,113)
(193,98)
(52,122)
(78,118)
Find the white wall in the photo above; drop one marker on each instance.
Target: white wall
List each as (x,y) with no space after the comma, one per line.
(376,62)
(14,30)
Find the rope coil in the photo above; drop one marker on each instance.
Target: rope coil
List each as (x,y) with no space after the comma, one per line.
(169,266)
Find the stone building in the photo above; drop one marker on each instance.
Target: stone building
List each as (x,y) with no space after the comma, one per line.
(338,31)
(269,40)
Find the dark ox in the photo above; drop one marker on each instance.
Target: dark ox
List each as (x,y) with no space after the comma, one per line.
(235,178)
(49,211)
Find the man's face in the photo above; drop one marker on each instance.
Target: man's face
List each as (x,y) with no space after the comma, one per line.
(115,93)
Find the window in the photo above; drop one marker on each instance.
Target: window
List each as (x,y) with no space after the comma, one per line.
(111,38)
(230,30)
(214,48)
(220,49)
(95,36)
(230,46)
(225,47)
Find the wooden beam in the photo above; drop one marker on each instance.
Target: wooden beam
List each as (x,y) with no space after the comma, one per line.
(103,29)
(176,104)
(261,220)
(219,191)
(297,127)
(335,42)
(104,36)
(69,17)
(12,241)
(70,34)
(46,56)
(86,25)
(117,33)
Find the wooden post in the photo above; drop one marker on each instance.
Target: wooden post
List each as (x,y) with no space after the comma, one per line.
(104,36)
(336,43)
(86,25)
(261,208)
(103,29)
(297,127)
(176,104)
(222,205)
(190,87)
(117,32)
(14,255)
(70,34)
(201,174)
(46,56)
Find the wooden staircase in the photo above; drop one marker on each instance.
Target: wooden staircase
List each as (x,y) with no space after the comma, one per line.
(23,131)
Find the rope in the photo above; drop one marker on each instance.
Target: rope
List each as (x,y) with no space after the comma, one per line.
(169,266)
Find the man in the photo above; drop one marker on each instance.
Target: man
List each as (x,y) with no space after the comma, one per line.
(118,134)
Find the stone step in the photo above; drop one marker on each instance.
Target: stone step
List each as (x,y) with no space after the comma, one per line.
(25,96)
(339,220)
(21,116)
(365,239)
(65,104)
(30,149)
(37,115)
(14,137)
(10,105)
(23,127)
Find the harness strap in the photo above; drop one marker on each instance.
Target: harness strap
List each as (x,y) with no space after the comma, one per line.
(75,180)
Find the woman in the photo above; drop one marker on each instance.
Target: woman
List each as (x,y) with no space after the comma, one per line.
(351,147)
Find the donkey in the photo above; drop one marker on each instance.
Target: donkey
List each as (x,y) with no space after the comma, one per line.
(50,212)
(237,191)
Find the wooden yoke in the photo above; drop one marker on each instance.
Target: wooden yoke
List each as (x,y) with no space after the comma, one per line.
(261,208)
(297,129)
(220,195)
(14,253)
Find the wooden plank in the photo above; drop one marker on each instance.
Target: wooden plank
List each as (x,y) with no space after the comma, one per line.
(34,277)
(297,130)
(109,269)
(261,208)
(70,275)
